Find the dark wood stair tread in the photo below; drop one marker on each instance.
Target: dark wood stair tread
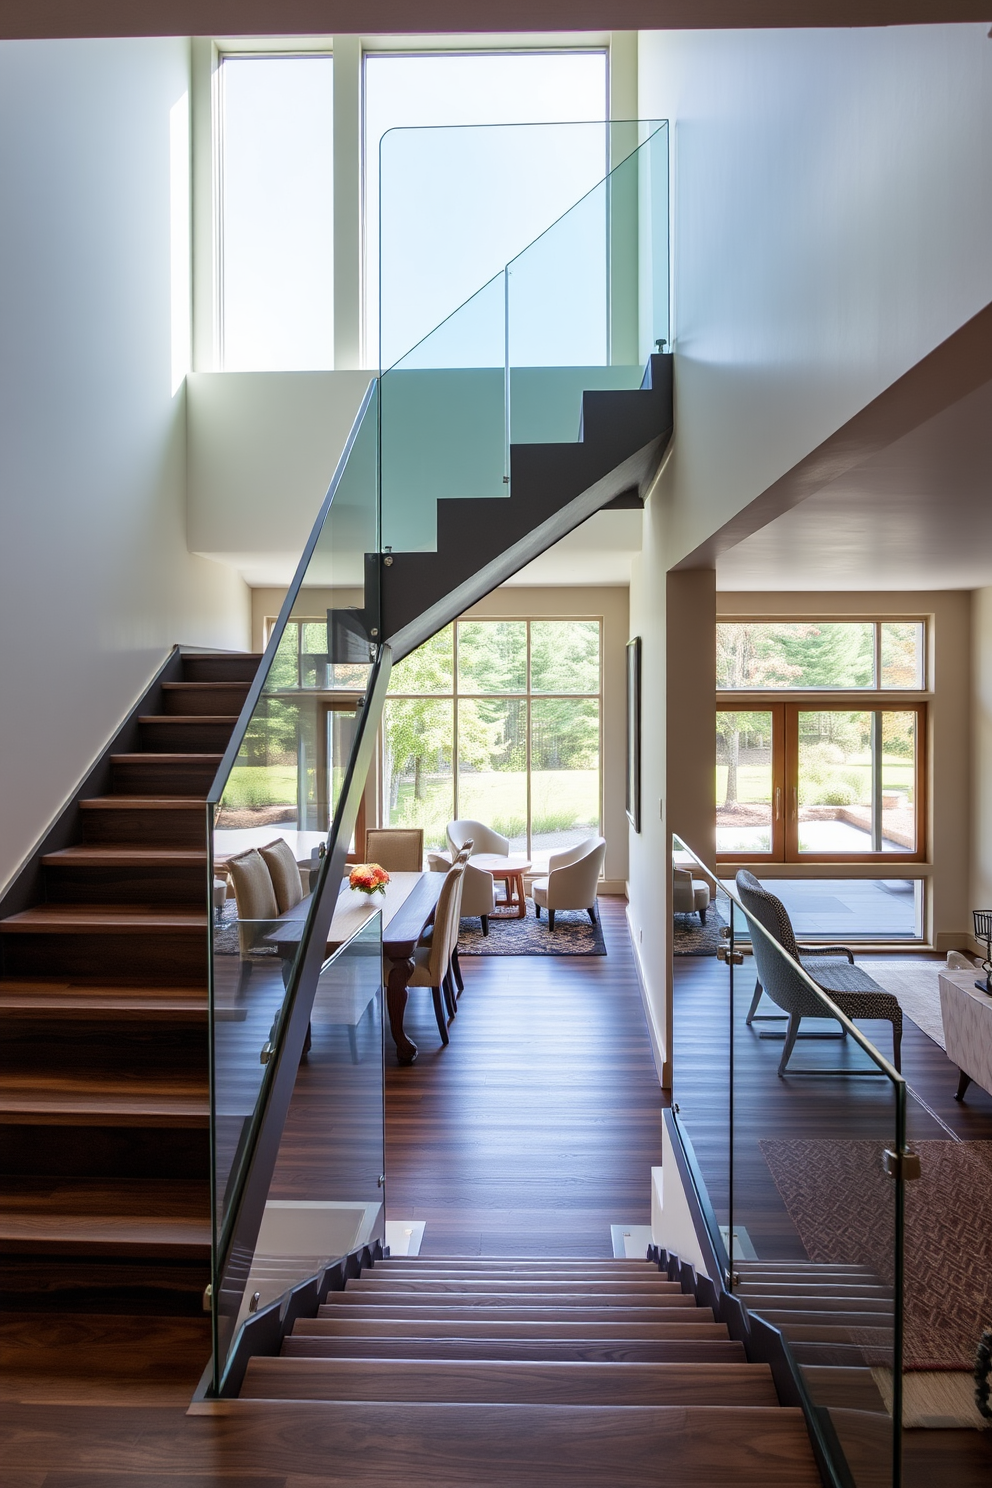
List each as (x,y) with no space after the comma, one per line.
(125,857)
(494,1327)
(104,919)
(376,1302)
(103,1100)
(373,1444)
(516,1311)
(188,718)
(126,1217)
(66,999)
(368,1284)
(595,1350)
(509,1381)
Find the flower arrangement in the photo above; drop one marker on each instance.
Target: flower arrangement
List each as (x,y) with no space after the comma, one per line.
(368,878)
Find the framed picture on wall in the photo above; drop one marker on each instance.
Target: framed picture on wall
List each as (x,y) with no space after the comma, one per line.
(634,733)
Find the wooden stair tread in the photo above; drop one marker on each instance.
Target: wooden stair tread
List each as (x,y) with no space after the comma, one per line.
(515,1311)
(190,718)
(379,1444)
(804,1302)
(494,1327)
(164,757)
(599,1350)
(125,857)
(72,999)
(369,1284)
(126,1216)
(143,803)
(185,686)
(103,1099)
(509,1381)
(103,919)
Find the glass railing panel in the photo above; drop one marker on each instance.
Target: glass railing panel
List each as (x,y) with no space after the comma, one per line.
(702,978)
(578,305)
(443,421)
(270,816)
(798,1122)
(326,1195)
(818,1124)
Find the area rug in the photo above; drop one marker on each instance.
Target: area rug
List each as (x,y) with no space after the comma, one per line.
(840,1202)
(690,938)
(917,990)
(573,936)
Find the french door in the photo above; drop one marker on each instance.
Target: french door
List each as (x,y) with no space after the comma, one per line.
(819,781)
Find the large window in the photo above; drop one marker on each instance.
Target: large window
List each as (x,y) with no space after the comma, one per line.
(461,202)
(276,212)
(809,655)
(498,720)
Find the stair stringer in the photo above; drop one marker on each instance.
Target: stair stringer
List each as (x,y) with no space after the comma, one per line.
(554,488)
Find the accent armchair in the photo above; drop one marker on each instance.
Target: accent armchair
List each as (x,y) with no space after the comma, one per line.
(572,881)
(854,992)
(483,838)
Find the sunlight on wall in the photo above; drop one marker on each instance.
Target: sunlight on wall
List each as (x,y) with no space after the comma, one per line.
(179,225)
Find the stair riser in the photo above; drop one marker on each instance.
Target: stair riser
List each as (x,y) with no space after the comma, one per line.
(220,668)
(369,1286)
(89,1283)
(197,699)
(499,1328)
(167,737)
(138,827)
(145,1047)
(105,1151)
(133,779)
(170,960)
(159,885)
(514,1312)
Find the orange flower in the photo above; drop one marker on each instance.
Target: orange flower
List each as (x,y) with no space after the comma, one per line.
(368,878)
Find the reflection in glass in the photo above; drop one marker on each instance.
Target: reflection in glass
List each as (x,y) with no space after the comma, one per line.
(492,656)
(564,656)
(744,782)
(565,773)
(492,765)
(417,781)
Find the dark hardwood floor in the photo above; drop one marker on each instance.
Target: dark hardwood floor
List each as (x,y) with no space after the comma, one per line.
(536,1127)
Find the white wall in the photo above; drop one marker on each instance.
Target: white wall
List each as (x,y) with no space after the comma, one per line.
(96,582)
(981,763)
(832,205)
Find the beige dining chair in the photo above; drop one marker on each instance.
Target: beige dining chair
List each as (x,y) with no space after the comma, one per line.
(257,908)
(397,849)
(284,871)
(432,962)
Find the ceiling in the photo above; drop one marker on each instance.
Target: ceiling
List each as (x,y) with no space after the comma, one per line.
(916,515)
(40,18)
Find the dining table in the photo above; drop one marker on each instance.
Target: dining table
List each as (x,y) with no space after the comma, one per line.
(407,907)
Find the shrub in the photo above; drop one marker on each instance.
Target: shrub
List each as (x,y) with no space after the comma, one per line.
(839,794)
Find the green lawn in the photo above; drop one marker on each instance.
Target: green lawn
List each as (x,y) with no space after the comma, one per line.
(754,782)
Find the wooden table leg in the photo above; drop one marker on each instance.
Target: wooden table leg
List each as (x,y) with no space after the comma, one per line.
(399,980)
(521,900)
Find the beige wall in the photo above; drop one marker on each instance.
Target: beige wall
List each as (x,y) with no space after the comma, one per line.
(96,582)
(949,744)
(981,804)
(832,211)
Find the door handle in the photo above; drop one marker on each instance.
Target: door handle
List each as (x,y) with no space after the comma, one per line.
(795,802)
(778,803)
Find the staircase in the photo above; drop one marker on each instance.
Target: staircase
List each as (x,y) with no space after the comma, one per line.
(832,1317)
(104,1100)
(526,1371)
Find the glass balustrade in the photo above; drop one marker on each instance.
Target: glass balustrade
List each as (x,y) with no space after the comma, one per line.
(579,304)
(797,1117)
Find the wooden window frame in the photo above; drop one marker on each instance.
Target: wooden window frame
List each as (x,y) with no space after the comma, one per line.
(785,773)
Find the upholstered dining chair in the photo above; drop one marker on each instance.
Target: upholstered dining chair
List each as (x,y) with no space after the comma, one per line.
(432,962)
(478,892)
(257,907)
(284,871)
(855,993)
(484,838)
(397,849)
(572,881)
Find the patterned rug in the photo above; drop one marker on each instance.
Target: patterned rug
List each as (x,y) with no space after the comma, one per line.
(840,1202)
(690,938)
(916,988)
(573,936)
